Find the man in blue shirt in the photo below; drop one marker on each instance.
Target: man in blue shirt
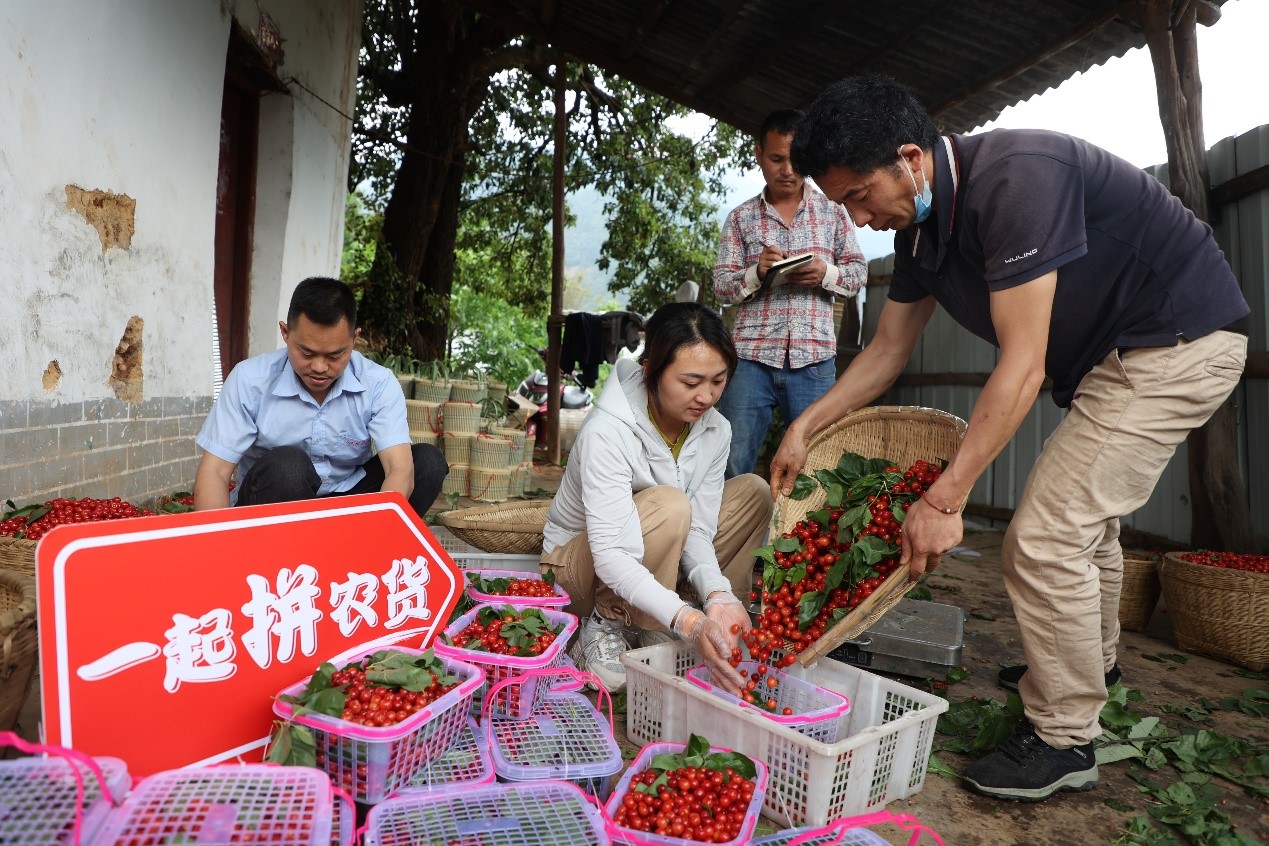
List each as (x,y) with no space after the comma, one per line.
(300,422)
(1080,268)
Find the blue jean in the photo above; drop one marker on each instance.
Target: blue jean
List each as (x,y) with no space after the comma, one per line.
(758,388)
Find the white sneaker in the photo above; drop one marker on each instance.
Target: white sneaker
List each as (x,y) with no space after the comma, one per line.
(598,650)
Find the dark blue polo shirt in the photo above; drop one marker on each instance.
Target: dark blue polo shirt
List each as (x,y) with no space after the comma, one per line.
(1137,269)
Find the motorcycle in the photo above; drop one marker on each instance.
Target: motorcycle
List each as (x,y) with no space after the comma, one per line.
(575,400)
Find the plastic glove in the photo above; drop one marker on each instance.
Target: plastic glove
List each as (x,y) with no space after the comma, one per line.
(710,642)
(728,611)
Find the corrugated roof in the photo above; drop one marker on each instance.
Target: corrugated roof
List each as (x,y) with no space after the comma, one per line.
(736,60)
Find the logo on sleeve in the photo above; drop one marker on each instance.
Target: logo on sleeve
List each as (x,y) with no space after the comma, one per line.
(1027,254)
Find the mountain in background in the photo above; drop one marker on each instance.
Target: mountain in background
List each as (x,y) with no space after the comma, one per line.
(583,241)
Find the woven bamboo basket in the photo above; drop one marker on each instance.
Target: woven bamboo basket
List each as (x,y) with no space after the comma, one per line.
(18,555)
(457,447)
(423,437)
(456,480)
(518,479)
(516,436)
(431,390)
(526,454)
(491,452)
(901,434)
(423,415)
(466,390)
(485,485)
(463,417)
(513,527)
(1140,592)
(1217,611)
(17,644)
(407,385)
(497,390)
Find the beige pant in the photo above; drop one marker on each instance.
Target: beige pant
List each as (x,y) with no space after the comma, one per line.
(665,517)
(1063,566)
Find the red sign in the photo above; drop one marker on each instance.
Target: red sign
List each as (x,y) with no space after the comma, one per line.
(164,639)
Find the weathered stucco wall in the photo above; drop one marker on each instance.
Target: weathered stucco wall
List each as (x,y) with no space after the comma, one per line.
(108,164)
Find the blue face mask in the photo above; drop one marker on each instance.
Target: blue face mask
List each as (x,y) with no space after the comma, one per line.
(922,199)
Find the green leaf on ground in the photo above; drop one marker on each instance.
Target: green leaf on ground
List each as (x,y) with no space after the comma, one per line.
(983,615)
(937,767)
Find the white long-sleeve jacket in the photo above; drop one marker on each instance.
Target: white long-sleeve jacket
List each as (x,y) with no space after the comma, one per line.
(618,453)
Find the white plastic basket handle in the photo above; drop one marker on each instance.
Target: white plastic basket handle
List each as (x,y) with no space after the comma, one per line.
(8,738)
(906,822)
(580,676)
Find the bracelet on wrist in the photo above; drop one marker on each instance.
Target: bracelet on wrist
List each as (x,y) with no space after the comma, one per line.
(940,508)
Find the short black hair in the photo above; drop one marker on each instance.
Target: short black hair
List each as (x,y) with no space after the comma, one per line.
(324,301)
(682,325)
(782,121)
(860,123)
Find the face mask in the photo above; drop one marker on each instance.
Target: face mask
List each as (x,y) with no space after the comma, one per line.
(922,199)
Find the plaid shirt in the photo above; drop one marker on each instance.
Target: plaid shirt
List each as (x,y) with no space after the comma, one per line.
(790,320)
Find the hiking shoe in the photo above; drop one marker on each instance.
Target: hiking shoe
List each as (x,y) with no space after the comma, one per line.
(1010,676)
(598,650)
(1027,769)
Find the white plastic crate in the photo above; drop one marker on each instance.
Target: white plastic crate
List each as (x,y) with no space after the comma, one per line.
(882,757)
(473,559)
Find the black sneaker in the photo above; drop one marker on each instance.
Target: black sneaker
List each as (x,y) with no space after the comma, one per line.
(1010,676)
(1027,769)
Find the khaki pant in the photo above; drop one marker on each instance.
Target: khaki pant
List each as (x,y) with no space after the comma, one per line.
(665,517)
(1063,566)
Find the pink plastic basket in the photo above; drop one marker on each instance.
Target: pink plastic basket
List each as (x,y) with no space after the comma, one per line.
(816,711)
(558,601)
(56,800)
(621,834)
(247,803)
(467,764)
(566,738)
(517,701)
(370,762)
(533,812)
(849,831)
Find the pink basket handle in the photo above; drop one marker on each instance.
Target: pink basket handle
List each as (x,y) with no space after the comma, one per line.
(907,822)
(8,738)
(339,793)
(581,676)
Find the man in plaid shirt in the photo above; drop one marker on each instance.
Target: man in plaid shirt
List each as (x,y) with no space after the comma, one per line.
(784,335)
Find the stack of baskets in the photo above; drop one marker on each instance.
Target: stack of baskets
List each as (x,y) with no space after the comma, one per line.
(1218,611)
(460,421)
(491,464)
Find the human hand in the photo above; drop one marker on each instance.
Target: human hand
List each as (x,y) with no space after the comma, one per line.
(809,274)
(928,534)
(725,609)
(788,461)
(768,257)
(710,642)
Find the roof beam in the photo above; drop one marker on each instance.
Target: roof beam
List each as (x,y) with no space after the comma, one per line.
(792,32)
(1089,26)
(646,24)
(600,55)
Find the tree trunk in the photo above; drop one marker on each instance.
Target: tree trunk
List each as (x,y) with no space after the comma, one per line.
(407,303)
(1220,513)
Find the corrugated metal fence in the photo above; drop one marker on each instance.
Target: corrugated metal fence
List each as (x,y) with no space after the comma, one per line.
(946,368)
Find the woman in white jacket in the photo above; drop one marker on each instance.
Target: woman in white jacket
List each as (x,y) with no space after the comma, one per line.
(643,499)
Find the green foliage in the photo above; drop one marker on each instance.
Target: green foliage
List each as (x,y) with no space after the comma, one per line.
(363,231)
(488,334)
(660,182)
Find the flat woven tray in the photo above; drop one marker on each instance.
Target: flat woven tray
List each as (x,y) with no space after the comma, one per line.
(512,527)
(902,434)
